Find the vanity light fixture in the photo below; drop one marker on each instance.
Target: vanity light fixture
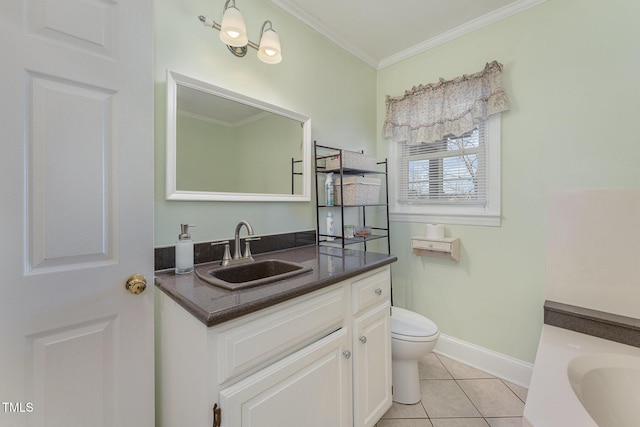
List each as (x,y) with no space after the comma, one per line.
(233,33)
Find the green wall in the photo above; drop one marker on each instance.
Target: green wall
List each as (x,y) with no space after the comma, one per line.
(267,146)
(571,72)
(252,158)
(315,78)
(201,163)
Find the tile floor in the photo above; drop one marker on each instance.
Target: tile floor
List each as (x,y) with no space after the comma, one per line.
(457,395)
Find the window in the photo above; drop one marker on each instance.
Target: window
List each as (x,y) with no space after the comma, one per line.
(454,180)
(437,178)
(446,171)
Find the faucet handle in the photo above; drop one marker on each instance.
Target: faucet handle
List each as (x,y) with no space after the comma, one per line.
(247,249)
(227,253)
(220,242)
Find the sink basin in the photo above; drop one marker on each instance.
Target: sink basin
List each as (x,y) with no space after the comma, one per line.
(252,274)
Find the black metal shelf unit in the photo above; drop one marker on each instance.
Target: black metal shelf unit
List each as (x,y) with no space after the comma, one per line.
(377,232)
(294,162)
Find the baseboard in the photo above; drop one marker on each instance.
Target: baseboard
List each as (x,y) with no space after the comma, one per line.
(497,364)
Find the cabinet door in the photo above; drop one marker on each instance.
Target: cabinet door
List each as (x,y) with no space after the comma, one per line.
(372,366)
(310,388)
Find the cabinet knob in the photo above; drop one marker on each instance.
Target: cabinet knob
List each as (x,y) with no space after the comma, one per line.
(378,291)
(363,339)
(346,354)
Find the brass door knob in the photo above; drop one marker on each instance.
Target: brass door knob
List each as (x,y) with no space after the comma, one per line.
(136,284)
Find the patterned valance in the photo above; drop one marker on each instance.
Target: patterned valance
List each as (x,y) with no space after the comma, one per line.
(430,112)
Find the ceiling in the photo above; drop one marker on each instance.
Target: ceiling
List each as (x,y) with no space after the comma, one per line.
(383,32)
(216,109)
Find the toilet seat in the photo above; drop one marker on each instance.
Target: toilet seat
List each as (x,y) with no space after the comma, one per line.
(409,326)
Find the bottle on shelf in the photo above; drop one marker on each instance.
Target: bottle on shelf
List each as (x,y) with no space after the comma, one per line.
(329,191)
(330,230)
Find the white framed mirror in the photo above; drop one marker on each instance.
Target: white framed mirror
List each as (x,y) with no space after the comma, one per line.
(224,146)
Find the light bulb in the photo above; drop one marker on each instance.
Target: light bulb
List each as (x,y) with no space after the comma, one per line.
(270,50)
(233,30)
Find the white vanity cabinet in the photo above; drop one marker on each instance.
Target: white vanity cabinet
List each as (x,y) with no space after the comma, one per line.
(303,362)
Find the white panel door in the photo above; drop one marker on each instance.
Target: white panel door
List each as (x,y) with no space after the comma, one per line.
(76,213)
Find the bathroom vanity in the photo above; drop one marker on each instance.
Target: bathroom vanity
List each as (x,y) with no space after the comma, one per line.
(313,350)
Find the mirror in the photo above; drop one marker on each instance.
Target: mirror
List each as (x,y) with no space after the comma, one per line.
(224,146)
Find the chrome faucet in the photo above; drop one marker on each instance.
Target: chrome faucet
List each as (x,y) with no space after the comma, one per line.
(247,253)
(237,257)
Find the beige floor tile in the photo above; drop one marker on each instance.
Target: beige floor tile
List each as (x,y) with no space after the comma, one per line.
(492,398)
(404,423)
(505,422)
(521,392)
(431,368)
(462,402)
(445,399)
(459,422)
(461,371)
(398,410)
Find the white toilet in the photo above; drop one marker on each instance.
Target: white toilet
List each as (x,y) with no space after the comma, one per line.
(412,337)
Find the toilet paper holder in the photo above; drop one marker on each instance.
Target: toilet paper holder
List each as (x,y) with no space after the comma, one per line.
(446,247)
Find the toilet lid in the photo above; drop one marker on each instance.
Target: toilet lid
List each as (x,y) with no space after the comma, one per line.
(405,322)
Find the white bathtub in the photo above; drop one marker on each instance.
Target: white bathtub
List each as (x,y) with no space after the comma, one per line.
(583,381)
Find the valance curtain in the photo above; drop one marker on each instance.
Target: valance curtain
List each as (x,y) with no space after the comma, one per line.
(431,112)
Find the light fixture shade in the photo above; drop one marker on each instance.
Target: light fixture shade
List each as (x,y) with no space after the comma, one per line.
(233,30)
(269,50)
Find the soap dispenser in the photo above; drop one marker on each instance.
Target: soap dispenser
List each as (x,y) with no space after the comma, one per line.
(184,250)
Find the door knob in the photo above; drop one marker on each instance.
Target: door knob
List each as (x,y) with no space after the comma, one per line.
(136,284)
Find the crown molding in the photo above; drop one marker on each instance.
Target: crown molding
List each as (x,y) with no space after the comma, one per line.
(318,26)
(448,36)
(460,31)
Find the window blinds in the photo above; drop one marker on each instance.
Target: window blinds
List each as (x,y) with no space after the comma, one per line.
(448,171)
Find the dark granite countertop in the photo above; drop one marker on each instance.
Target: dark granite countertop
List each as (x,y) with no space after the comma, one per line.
(213,305)
(613,327)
